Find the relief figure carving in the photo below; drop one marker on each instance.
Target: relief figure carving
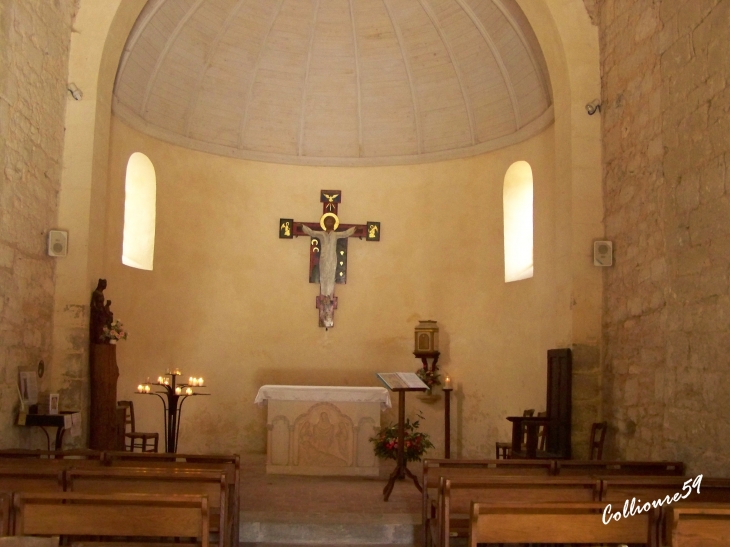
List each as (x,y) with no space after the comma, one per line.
(324,443)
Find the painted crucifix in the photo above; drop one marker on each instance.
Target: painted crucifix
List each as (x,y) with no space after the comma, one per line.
(328,249)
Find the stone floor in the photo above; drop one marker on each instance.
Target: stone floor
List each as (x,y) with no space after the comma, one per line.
(294,510)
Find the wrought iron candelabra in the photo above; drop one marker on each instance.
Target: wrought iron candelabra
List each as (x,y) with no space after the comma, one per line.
(172,396)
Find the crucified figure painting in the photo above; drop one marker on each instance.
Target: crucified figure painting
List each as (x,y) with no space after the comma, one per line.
(328,251)
(327,265)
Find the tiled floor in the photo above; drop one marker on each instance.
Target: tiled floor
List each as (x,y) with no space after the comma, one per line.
(324,495)
(287,510)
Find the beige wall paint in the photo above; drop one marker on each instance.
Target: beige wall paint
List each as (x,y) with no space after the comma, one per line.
(570,44)
(229,301)
(87,197)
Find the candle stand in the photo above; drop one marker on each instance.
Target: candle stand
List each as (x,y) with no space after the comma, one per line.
(447,418)
(173,396)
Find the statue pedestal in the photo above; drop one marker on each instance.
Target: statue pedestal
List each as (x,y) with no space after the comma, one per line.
(103,421)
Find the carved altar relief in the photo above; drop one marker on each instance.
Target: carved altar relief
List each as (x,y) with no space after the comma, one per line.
(323,437)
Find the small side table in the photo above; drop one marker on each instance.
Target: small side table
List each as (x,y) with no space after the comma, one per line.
(61,422)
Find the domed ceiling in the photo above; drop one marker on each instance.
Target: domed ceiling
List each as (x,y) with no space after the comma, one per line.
(334,82)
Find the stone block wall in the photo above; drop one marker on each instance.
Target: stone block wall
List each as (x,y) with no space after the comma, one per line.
(666,102)
(34,45)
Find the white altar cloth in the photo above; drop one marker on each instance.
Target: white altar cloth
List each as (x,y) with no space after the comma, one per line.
(322,430)
(329,394)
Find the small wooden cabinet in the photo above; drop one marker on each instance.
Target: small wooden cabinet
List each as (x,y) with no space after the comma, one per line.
(104,431)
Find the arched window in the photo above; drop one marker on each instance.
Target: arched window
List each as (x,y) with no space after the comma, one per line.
(140,197)
(517,201)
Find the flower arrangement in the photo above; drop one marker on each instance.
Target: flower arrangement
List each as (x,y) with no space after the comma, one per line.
(429,377)
(385,443)
(115,331)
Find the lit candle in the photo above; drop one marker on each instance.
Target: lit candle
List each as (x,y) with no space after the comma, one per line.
(167,381)
(448,383)
(178,390)
(140,388)
(146,389)
(189,391)
(200,381)
(160,380)
(190,380)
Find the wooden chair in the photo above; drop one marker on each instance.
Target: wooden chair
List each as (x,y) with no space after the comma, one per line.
(598,436)
(137,439)
(551,523)
(542,433)
(504,449)
(112,515)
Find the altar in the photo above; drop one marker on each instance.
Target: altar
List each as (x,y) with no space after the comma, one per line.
(322,430)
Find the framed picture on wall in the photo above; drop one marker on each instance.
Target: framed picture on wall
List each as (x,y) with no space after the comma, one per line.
(28,386)
(53,403)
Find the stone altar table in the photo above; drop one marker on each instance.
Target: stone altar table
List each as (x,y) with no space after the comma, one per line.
(322,430)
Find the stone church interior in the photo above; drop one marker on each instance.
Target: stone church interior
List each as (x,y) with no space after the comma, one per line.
(511,322)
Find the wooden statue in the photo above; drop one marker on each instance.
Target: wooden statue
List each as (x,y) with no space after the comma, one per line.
(99,311)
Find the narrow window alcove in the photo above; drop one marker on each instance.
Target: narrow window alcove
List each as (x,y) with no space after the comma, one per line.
(140,197)
(518,215)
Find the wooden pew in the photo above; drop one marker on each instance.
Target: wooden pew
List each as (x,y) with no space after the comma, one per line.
(80,454)
(230,463)
(665,492)
(44,462)
(158,480)
(6,500)
(112,515)
(698,525)
(603,468)
(435,469)
(456,496)
(648,489)
(550,523)
(18,478)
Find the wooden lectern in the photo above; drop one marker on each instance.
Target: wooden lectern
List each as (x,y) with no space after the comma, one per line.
(401,382)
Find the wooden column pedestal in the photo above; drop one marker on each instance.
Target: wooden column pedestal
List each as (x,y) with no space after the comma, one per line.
(103,420)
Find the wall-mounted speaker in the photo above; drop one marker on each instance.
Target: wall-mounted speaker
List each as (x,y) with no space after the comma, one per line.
(57,243)
(602,253)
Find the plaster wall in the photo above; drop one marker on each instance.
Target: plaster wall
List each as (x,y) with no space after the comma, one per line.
(230,301)
(34,53)
(666,304)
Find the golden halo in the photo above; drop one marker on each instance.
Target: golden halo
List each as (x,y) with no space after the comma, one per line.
(324,216)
